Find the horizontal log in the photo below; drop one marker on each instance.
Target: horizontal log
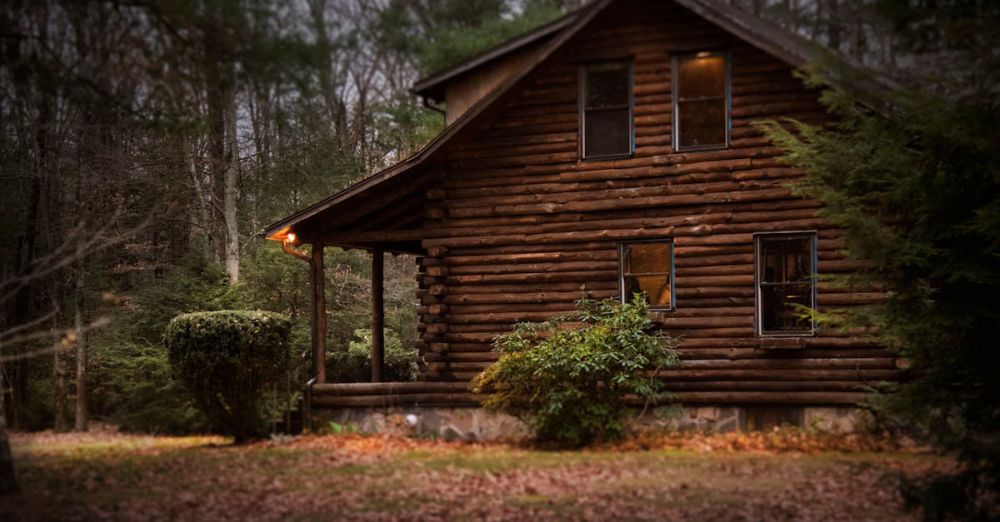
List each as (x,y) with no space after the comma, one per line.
(689,223)
(711,213)
(684,397)
(790,386)
(383,401)
(797,342)
(861,375)
(528,297)
(702,354)
(765,366)
(695,235)
(645,182)
(770,397)
(377,388)
(611,203)
(580,278)
(487,357)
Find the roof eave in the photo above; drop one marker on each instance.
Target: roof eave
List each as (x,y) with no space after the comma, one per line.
(433,85)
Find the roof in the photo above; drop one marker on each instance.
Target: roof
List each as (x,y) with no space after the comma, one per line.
(433,86)
(770,38)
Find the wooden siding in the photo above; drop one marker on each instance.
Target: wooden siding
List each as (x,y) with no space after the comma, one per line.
(520,223)
(464,92)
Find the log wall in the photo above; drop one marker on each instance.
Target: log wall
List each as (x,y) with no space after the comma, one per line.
(520,223)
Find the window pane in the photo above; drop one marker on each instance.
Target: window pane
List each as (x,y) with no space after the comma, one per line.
(781,307)
(786,259)
(701,74)
(702,123)
(646,271)
(655,288)
(786,281)
(607,87)
(606,132)
(648,257)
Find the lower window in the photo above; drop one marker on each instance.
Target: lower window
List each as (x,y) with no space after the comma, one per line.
(785,276)
(647,268)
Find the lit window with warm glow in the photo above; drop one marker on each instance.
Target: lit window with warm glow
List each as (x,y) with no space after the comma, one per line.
(701,100)
(647,268)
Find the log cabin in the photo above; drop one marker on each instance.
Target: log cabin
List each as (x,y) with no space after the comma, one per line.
(614,151)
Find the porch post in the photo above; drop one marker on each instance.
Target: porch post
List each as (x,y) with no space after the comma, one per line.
(378,315)
(318,278)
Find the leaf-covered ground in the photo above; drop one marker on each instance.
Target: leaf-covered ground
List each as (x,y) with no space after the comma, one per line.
(776,476)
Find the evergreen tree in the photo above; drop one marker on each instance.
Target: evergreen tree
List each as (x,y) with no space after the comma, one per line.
(916,186)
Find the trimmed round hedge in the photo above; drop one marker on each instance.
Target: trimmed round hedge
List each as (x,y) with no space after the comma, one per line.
(227,360)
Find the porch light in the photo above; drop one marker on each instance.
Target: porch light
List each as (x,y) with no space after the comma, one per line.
(291,238)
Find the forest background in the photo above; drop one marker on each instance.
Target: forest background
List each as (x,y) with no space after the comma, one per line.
(145,144)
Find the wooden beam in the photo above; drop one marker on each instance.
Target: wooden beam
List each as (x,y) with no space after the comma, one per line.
(378,315)
(318,278)
(367,388)
(374,236)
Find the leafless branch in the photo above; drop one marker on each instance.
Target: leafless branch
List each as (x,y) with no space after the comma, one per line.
(68,339)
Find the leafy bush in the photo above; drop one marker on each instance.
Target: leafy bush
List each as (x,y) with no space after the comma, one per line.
(571,384)
(355,363)
(226,360)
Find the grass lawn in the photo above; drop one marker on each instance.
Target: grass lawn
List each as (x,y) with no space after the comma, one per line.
(106,475)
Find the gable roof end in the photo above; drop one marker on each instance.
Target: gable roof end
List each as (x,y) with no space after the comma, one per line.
(770,38)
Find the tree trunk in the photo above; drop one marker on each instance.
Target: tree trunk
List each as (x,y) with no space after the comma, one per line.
(203,201)
(833,26)
(215,100)
(82,415)
(378,315)
(8,478)
(60,420)
(232,180)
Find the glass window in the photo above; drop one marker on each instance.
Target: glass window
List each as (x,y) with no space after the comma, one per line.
(701,100)
(786,283)
(606,110)
(647,268)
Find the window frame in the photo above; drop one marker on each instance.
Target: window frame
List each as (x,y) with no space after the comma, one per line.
(675,123)
(622,245)
(758,319)
(582,107)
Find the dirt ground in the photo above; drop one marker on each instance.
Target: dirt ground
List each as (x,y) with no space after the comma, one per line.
(775,476)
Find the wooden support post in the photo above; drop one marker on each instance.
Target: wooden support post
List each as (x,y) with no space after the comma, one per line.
(318,278)
(378,315)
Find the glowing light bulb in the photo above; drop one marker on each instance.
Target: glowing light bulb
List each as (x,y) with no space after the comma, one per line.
(291,238)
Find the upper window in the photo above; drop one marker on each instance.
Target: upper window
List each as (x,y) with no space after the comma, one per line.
(701,100)
(647,268)
(606,110)
(786,283)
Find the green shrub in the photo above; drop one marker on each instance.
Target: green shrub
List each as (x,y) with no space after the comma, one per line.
(226,360)
(355,363)
(571,384)
(134,389)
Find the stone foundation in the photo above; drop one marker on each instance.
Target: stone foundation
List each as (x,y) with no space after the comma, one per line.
(476,424)
(439,422)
